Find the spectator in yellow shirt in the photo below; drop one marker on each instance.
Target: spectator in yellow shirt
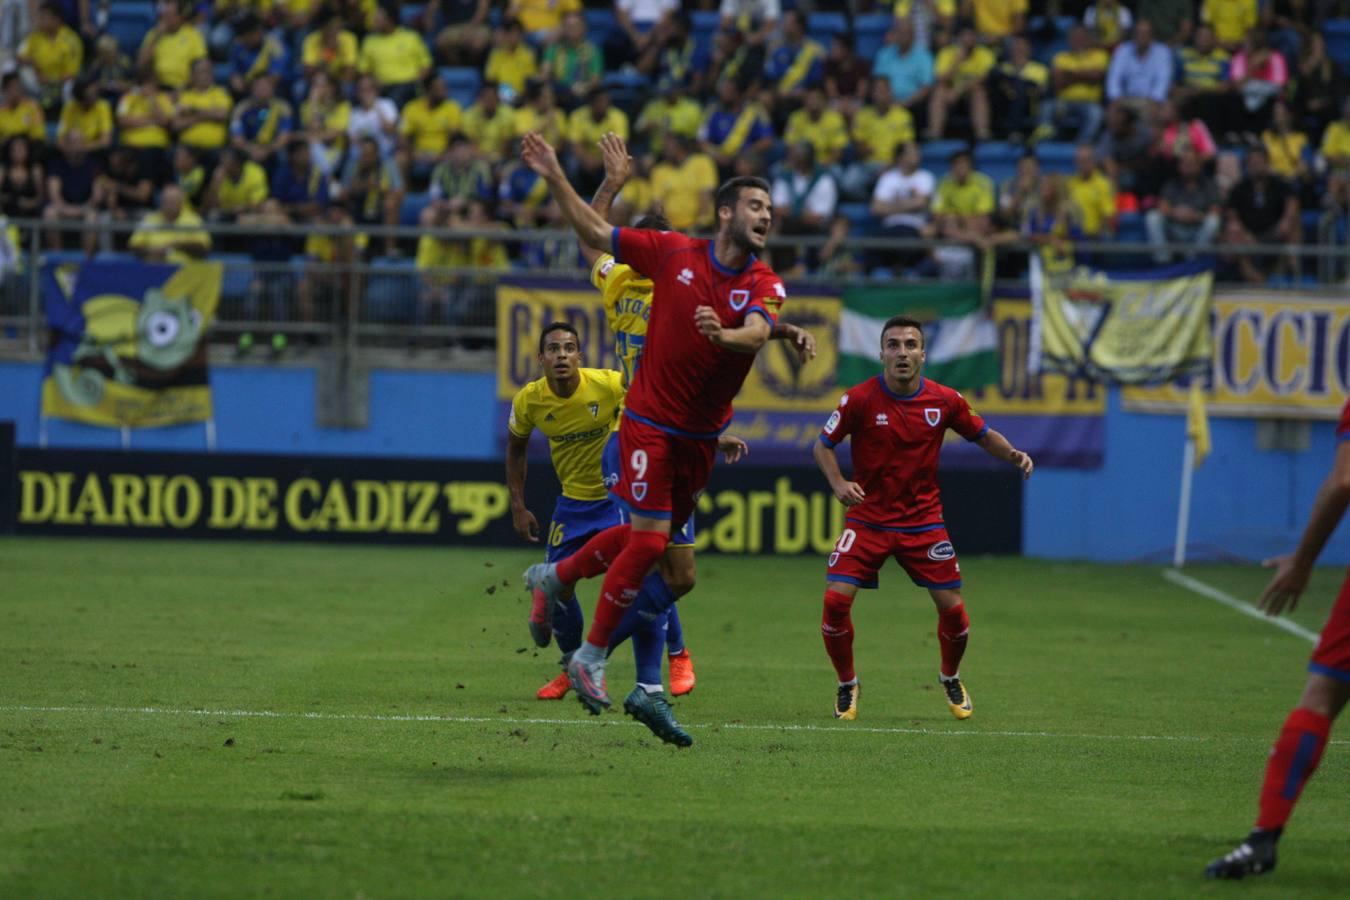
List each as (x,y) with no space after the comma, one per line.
(683,184)
(331,48)
(540,113)
(542,18)
(824,129)
(996,19)
(961,70)
(585,126)
(157,238)
(964,204)
(426,126)
(19,113)
(1077,76)
(1335,152)
(1286,146)
(489,123)
(671,112)
(51,56)
(511,63)
(880,129)
(203,118)
(86,120)
(1232,19)
(396,57)
(144,117)
(171,47)
(1092,194)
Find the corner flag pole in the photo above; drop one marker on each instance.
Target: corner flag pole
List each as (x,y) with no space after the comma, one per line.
(1184,507)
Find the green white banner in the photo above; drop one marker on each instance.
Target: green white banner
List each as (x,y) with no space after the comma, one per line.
(960,340)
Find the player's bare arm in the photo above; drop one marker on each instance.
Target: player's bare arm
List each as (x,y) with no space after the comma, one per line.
(1292,571)
(732,448)
(589,225)
(803,341)
(849,493)
(521,518)
(997,446)
(618,165)
(746,339)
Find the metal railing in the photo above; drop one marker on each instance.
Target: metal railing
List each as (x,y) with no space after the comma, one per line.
(388,303)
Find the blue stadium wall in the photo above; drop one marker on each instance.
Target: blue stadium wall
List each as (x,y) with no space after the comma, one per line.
(1248,502)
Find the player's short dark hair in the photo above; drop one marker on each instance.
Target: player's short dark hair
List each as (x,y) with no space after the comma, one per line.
(729,193)
(557,326)
(652,221)
(903,322)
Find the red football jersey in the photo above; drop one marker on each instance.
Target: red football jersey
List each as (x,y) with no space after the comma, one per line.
(896,442)
(684,384)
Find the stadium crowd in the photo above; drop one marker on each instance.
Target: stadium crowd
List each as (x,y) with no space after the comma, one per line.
(1175,121)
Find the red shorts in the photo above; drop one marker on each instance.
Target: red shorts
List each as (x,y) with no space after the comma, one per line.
(1332,656)
(661,474)
(926,555)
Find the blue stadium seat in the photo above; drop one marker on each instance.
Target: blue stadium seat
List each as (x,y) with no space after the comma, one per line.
(409,12)
(1056,156)
(869,34)
(391,293)
(999,170)
(705,19)
(626,79)
(860,219)
(462,82)
(129,25)
(412,207)
(236,276)
(1337,33)
(821,26)
(935,152)
(599,23)
(1130,227)
(987,152)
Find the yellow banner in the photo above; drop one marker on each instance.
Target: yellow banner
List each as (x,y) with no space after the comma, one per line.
(1274,357)
(1021,392)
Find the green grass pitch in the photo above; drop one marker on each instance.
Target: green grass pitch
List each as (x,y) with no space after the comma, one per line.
(1121,727)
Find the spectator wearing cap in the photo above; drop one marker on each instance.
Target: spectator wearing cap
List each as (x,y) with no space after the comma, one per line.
(19,113)
(1189,210)
(489,123)
(144,120)
(51,56)
(511,63)
(425,127)
(395,56)
(573,63)
(540,113)
(86,120)
(541,19)
(466,36)
(733,127)
(907,65)
(1262,209)
(823,128)
(161,235)
(330,48)
(262,124)
(372,190)
(683,183)
(961,70)
(202,119)
(797,63)
(253,52)
(1232,20)
(373,116)
(325,116)
(171,47)
(585,126)
(238,188)
(1076,75)
(1141,70)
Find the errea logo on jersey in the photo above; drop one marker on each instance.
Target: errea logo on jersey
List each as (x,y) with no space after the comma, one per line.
(882,420)
(686,277)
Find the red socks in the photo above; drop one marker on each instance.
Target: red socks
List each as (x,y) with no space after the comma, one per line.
(623,579)
(595,557)
(953,626)
(1292,762)
(836,627)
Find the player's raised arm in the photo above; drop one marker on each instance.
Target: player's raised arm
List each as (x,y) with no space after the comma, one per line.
(1292,571)
(803,341)
(997,446)
(589,225)
(617,166)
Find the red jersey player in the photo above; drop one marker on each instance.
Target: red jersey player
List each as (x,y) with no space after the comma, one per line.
(1299,747)
(897,421)
(713,306)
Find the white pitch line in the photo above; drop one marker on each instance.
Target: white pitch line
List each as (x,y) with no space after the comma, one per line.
(1231,602)
(507,720)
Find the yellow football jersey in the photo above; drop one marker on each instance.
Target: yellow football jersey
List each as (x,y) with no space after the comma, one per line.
(628,303)
(577,427)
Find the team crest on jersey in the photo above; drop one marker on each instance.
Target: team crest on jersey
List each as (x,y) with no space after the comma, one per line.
(941,550)
(595,410)
(738,299)
(932,416)
(639,491)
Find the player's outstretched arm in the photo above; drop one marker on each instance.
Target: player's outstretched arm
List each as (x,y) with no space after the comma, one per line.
(732,448)
(1292,571)
(849,493)
(803,341)
(997,446)
(521,518)
(746,339)
(617,166)
(589,225)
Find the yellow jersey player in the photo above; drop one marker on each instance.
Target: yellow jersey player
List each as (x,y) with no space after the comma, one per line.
(575,408)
